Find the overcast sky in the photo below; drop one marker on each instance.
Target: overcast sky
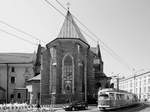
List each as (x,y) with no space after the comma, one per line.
(123,25)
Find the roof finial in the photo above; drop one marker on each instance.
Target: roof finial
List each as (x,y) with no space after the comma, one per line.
(68,5)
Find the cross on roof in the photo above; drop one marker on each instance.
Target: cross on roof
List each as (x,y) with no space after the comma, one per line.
(68,5)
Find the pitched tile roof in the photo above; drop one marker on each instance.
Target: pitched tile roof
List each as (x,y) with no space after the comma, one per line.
(36,78)
(16,57)
(70,29)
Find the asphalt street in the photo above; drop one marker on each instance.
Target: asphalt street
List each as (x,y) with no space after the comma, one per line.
(142,107)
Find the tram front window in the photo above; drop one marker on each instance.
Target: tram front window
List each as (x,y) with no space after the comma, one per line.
(103,97)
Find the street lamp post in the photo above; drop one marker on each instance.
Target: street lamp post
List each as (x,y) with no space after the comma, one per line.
(117,80)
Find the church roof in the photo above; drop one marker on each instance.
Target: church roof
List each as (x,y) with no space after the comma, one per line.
(36,78)
(94,50)
(70,29)
(1,88)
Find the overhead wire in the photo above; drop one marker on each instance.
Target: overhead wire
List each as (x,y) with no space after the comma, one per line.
(11,34)
(107,47)
(65,16)
(19,30)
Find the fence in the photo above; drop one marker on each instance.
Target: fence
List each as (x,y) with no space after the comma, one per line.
(25,108)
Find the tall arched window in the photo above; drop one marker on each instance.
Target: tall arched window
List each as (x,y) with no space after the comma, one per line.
(68,74)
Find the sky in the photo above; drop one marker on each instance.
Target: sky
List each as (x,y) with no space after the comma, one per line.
(123,25)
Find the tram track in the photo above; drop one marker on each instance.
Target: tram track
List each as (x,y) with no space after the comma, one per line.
(139,108)
(134,108)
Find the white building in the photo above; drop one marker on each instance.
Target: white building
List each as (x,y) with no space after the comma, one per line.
(15,69)
(138,83)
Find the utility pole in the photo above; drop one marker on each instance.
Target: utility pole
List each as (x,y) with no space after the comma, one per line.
(7,89)
(117,83)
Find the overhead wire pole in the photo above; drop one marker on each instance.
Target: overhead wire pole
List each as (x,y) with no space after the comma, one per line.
(110,50)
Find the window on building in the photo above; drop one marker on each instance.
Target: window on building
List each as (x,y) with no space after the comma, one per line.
(148,88)
(68,74)
(12,96)
(136,90)
(12,80)
(12,69)
(148,80)
(144,89)
(131,84)
(136,84)
(19,95)
(145,82)
(140,83)
(26,69)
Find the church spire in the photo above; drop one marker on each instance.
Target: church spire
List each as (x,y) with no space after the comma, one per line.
(100,58)
(99,52)
(37,63)
(70,29)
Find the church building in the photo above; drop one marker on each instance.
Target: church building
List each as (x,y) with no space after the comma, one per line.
(71,70)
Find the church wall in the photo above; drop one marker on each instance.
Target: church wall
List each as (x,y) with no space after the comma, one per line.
(68,47)
(63,48)
(83,68)
(45,78)
(90,78)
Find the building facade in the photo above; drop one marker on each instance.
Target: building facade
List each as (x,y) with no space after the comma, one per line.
(33,87)
(70,69)
(15,69)
(138,83)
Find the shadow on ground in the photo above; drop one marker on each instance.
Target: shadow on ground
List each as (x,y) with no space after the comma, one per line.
(133,108)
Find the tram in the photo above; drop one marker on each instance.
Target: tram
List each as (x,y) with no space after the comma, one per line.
(112,98)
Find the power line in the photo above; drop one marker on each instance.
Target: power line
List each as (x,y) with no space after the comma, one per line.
(19,30)
(18,37)
(69,20)
(54,7)
(127,65)
(112,51)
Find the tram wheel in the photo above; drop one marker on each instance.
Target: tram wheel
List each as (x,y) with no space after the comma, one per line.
(103,108)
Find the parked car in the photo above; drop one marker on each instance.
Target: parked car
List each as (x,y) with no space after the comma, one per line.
(76,106)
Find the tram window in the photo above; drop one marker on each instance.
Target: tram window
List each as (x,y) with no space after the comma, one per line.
(128,97)
(117,96)
(103,96)
(112,96)
(122,96)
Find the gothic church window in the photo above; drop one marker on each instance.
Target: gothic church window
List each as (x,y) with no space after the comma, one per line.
(67,74)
